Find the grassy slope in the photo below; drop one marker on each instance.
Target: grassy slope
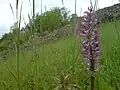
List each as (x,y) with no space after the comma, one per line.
(60,56)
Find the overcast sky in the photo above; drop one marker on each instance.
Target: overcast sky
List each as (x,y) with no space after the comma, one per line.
(7,19)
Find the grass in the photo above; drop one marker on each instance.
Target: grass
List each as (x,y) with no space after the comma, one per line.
(59,63)
(61,56)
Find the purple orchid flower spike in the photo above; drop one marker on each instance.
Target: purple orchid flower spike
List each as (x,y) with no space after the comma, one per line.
(89,31)
(91,45)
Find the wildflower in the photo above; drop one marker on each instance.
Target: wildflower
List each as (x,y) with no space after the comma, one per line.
(90,33)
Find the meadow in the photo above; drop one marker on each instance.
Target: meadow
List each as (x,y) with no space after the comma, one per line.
(60,63)
(57,65)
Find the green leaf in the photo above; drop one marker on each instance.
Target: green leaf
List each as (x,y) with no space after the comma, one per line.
(12,10)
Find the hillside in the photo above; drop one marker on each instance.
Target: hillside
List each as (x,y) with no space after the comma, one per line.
(43,37)
(64,55)
(109,10)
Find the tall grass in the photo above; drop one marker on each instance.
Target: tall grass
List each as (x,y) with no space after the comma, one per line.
(57,57)
(35,50)
(75,22)
(61,59)
(18,20)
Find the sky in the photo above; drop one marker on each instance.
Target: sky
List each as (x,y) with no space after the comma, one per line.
(7,19)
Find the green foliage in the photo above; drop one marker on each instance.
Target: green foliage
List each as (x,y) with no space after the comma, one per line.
(59,56)
(51,20)
(46,22)
(6,42)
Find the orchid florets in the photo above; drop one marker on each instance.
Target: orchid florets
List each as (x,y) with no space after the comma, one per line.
(89,31)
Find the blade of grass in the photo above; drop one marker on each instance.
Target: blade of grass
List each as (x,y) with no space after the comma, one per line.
(16,44)
(33,9)
(14,76)
(20,17)
(35,48)
(45,8)
(41,6)
(12,13)
(29,16)
(62,2)
(96,5)
(30,7)
(80,12)
(30,23)
(91,4)
(17,4)
(12,10)
(17,47)
(75,17)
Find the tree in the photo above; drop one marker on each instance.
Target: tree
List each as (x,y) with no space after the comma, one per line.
(51,20)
